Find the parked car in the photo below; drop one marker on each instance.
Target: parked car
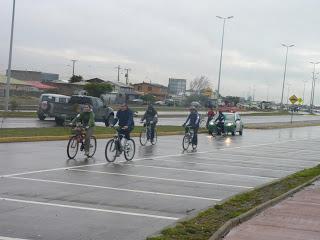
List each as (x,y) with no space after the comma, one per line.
(68,111)
(232,124)
(195,104)
(160,103)
(47,103)
(137,101)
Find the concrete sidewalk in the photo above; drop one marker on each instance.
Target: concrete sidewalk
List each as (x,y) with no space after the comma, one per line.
(296,218)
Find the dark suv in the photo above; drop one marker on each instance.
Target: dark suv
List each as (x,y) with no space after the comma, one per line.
(75,105)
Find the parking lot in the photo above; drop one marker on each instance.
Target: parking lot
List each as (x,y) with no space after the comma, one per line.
(45,196)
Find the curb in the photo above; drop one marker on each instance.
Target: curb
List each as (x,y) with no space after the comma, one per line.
(225,229)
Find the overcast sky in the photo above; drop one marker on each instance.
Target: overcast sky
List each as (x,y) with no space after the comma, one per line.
(159,39)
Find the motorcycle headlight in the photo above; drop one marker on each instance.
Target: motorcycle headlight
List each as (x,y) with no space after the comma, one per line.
(229,124)
(211,123)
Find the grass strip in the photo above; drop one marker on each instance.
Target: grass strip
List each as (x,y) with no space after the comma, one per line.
(18,114)
(62,133)
(206,223)
(282,125)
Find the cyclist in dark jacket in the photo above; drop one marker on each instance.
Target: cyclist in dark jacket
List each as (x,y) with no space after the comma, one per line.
(193,121)
(151,117)
(220,119)
(125,118)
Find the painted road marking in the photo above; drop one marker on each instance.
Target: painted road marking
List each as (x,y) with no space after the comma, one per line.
(254,162)
(9,238)
(199,171)
(216,164)
(159,157)
(88,209)
(266,157)
(162,179)
(116,189)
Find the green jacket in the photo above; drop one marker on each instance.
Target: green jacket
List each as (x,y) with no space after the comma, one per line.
(86,118)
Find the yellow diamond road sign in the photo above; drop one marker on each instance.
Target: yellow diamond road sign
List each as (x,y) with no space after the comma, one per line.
(293,99)
(300,100)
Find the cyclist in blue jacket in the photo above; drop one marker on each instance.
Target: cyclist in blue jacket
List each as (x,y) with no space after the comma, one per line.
(125,118)
(193,121)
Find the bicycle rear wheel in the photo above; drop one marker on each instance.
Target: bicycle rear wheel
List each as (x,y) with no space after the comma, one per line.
(72,148)
(186,142)
(129,150)
(93,146)
(111,151)
(155,137)
(143,137)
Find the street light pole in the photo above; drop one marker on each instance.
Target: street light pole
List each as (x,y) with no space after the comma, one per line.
(73,64)
(304,88)
(285,71)
(7,96)
(313,85)
(221,51)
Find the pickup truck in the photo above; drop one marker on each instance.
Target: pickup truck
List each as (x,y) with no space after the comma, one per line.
(69,110)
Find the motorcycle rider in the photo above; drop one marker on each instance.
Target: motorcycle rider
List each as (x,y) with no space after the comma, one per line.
(220,119)
(151,117)
(194,122)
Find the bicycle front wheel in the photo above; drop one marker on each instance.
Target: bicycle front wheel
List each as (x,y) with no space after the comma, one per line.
(155,137)
(185,142)
(72,148)
(111,151)
(92,146)
(129,150)
(143,137)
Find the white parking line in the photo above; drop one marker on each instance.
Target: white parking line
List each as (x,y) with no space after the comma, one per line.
(224,165)
(159,157)
(254,162)
(116,189)
(9,238)
(163,179)
(87,208)
(266,157)
(200,171)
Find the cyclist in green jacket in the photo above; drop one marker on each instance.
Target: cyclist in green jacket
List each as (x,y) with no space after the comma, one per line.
(86,118)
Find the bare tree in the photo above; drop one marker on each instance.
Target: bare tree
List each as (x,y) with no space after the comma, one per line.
(199,84)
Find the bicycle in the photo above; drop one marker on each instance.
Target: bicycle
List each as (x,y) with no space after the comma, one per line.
(119,144)
(145,134)
(187,139)
(78,139)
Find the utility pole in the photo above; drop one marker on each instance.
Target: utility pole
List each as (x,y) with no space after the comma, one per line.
(118,72)
(7,96)
(313,85)
(127,75)
(304,88)
(73,64)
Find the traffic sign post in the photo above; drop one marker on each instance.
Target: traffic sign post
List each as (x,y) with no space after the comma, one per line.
(293,99)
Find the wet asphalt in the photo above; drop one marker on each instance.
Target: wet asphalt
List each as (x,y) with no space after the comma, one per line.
(43,195)
(173,121)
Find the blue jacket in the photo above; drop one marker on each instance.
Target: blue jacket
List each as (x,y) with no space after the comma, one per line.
(125,118)
(193,119)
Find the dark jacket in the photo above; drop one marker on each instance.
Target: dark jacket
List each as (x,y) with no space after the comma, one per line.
(220,118)
(193,119)
(125,118)
(150,115)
